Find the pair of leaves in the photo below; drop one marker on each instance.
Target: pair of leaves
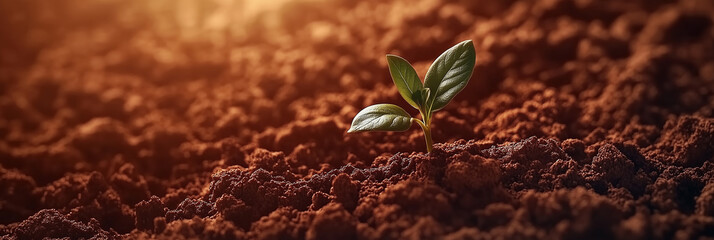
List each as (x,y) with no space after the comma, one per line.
(446,77)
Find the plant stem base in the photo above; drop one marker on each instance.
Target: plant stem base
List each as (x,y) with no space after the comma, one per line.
(427,134)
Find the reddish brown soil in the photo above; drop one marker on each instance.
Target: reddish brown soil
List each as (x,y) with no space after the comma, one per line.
(584,119)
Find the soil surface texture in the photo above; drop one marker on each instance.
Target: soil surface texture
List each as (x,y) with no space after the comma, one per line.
(192,119)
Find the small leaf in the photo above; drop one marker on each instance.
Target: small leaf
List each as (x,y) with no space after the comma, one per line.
(421,97)
(405,77)
(381,117)
(450,73)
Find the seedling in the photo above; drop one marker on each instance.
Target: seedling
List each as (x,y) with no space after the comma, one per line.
(446,77)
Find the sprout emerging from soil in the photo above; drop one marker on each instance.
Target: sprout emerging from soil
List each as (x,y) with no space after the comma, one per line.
(446,77)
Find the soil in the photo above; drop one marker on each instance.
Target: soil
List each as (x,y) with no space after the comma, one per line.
(169,119)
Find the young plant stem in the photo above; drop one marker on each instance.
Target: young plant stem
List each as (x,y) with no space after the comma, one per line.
(425,126)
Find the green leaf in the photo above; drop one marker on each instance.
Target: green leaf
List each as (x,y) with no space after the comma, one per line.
(421,97)
(450,73)
(381,117)
(405,77)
